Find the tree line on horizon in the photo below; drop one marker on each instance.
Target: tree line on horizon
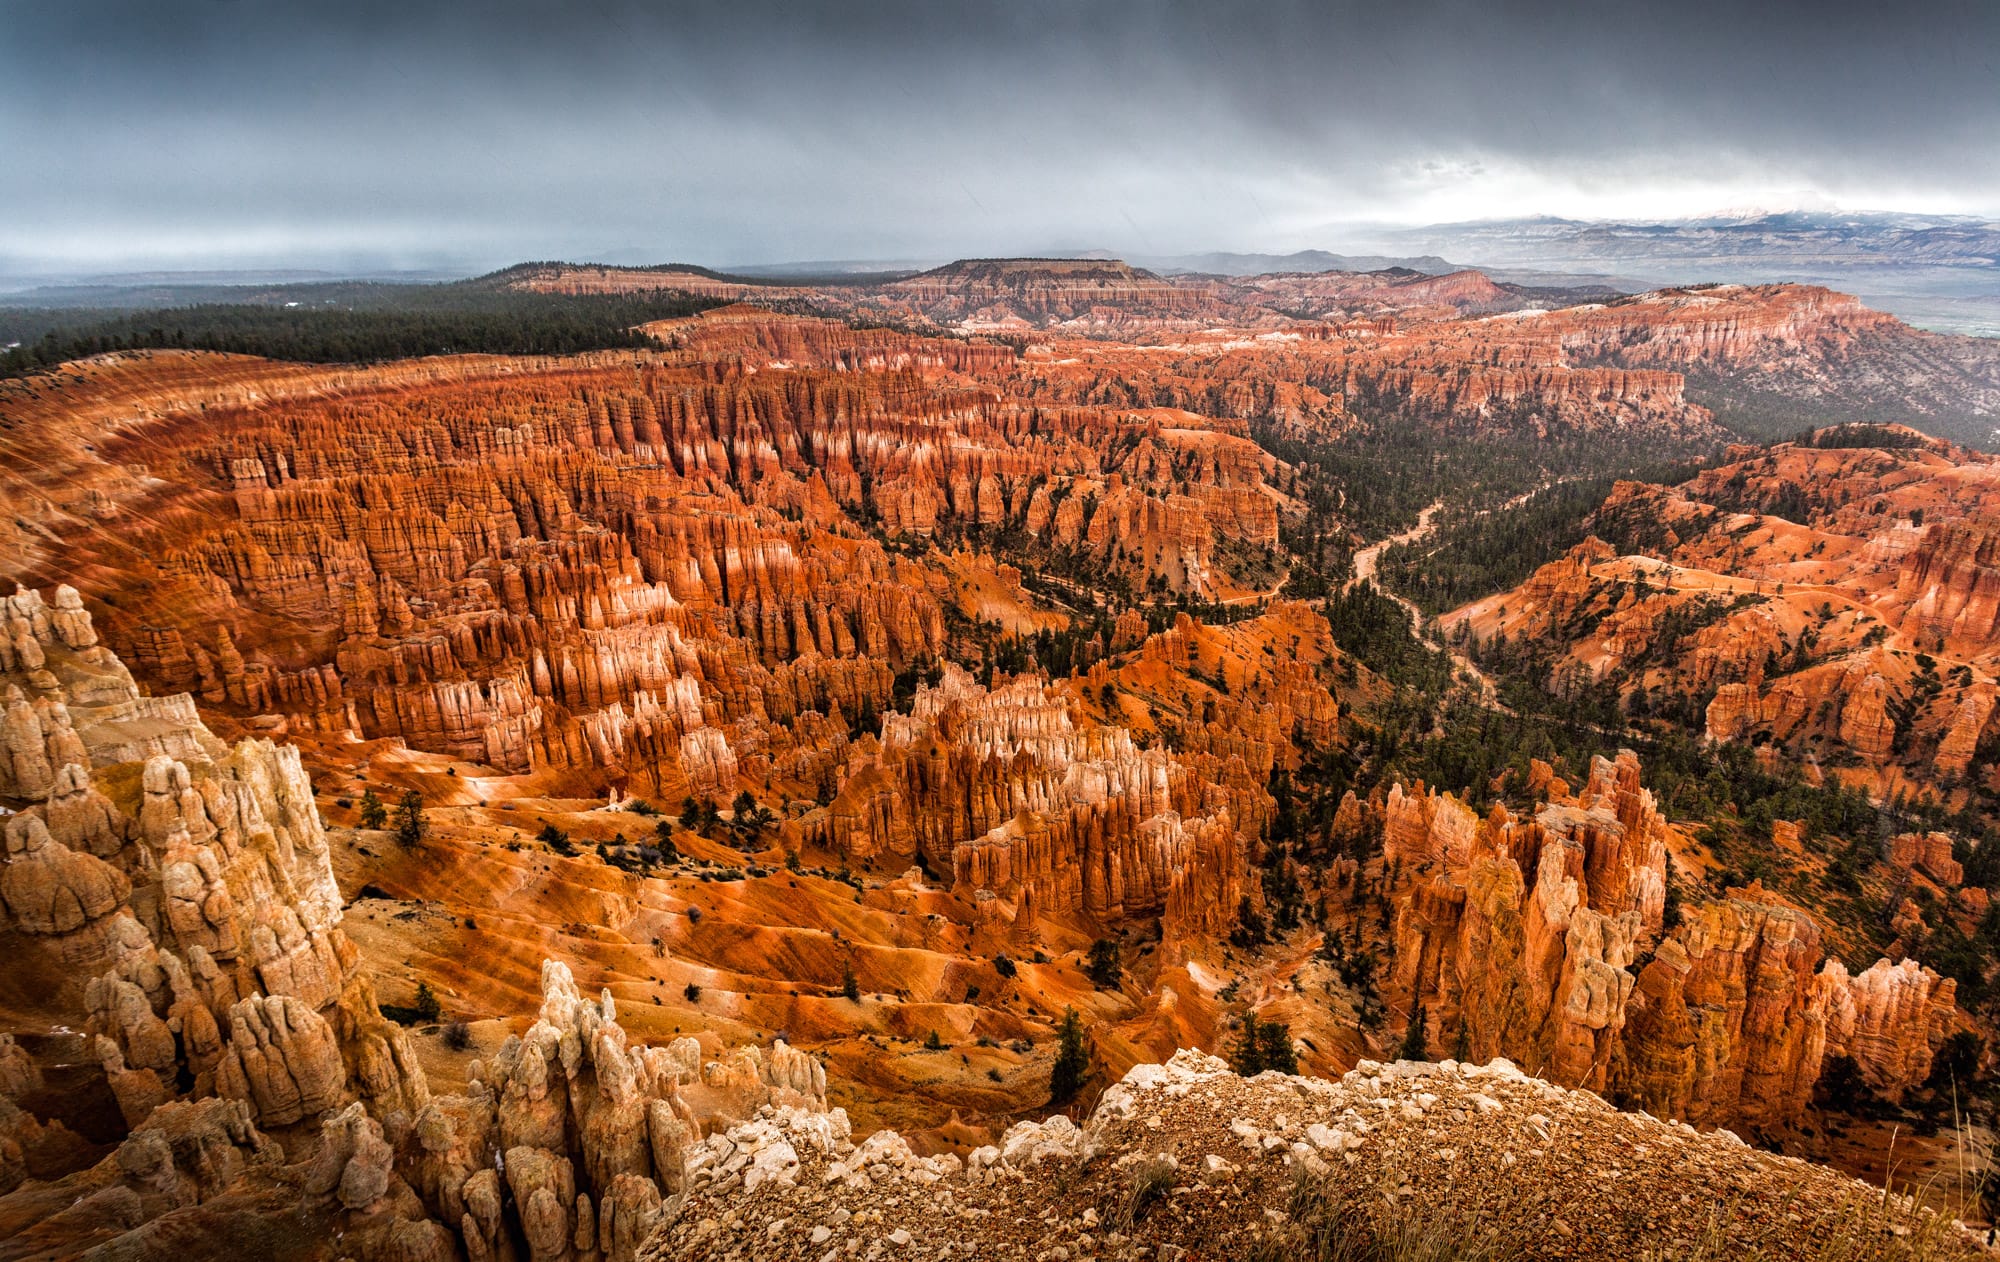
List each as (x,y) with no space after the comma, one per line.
(360,324)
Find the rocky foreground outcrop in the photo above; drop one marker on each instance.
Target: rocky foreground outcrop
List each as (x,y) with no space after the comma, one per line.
(169,914)
(570,1145)
(176,892)
(1187,1160)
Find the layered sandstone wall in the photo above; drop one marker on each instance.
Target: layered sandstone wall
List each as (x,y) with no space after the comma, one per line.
(1008,793)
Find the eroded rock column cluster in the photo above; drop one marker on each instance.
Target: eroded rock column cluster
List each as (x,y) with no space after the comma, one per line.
(178,896)
(1542,939)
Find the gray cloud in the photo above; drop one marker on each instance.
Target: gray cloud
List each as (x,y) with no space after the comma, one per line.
(476,134)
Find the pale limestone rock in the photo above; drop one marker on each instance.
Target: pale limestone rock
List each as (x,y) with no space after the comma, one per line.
(49,889)
(382,1065)
(353,1163)
(193,1020)
(627,1212)
(69,620)
(291,961)
(483,1226)
(1891,1018)
(171,808)
(122,1013)
(25,770)
(1030,1143)
(189,1151)
(199,907)
(282,1058)
(82,818)
(138,1091)
(544,1190)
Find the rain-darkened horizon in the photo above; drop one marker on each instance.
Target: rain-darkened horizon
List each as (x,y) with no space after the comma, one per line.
(462,136)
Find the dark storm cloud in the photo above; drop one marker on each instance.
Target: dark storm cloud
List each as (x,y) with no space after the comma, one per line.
(385,134)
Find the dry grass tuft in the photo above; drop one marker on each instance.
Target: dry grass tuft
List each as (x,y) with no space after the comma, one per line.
(1150,1180)
(1333,1222)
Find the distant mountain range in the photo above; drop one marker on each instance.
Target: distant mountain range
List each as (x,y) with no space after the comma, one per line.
(1786,238)
(1941,272)
(1937,272)
(1222,264)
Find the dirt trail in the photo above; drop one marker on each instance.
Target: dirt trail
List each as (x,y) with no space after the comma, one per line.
(1366,559)
(1365,562)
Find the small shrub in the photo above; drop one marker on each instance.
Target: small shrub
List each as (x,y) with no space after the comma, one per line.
(457,1036)
(411,827)
(1416,1046)
(1072,1059)
(1841,1087)
(1104,968)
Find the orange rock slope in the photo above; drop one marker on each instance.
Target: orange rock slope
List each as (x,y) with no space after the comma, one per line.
(1840,603)
(845,584)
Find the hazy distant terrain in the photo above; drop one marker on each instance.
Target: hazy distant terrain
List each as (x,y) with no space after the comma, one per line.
(1938,272)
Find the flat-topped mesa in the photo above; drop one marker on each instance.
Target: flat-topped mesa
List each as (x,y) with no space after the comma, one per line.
(1722,323)
(1045,291)
(1800,342)
(1543,938)
(175,896)
(1005,790)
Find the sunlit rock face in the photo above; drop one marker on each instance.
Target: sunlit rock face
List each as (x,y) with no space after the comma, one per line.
(614,565)
(1542,939)
(1834,603)
(180,892)
(183,912)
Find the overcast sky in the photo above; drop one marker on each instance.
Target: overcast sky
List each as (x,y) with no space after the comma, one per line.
(248,132)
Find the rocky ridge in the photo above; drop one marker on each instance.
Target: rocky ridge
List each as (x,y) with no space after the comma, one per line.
(1187,1160)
